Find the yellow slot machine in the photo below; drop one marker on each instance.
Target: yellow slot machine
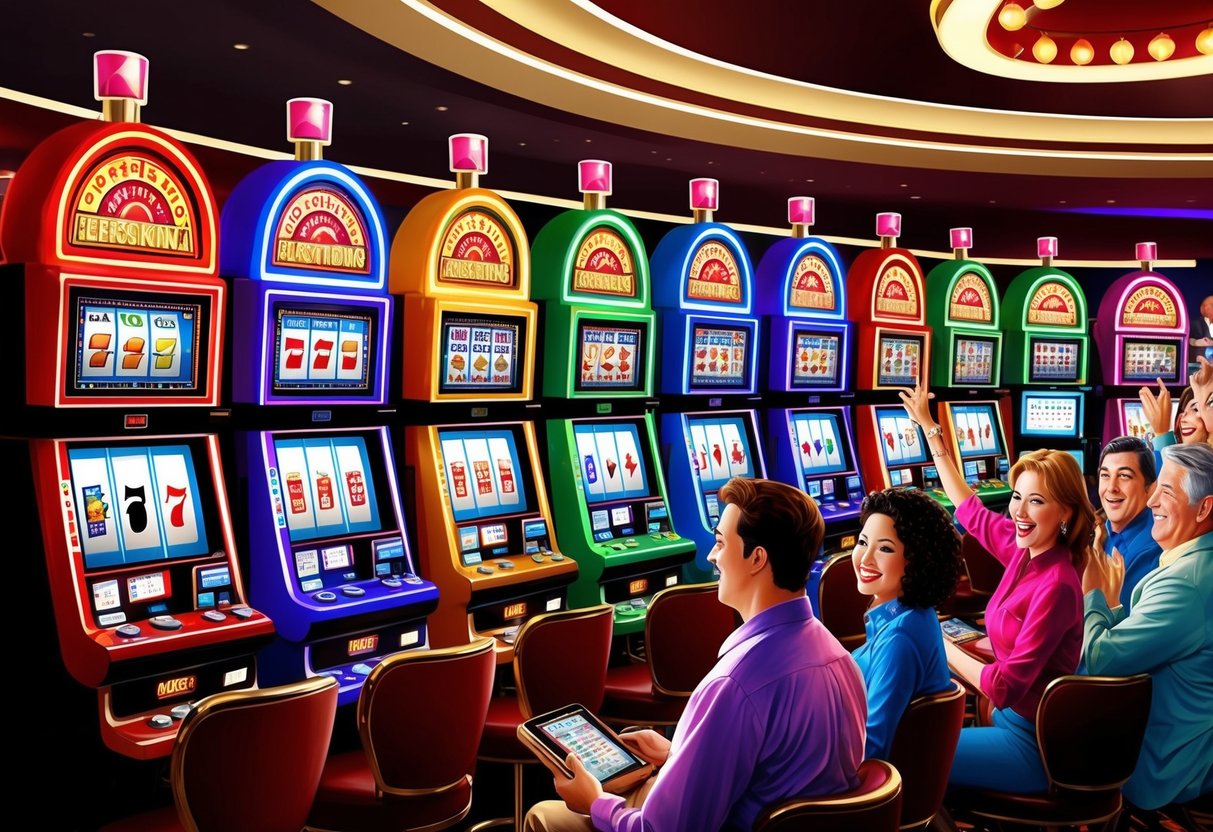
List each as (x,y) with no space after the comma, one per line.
(484,528)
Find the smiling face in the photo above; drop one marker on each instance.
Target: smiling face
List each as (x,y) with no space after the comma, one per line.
(1176,520)
(879,559)
(1191,426)
(1037,515)
(1122,489)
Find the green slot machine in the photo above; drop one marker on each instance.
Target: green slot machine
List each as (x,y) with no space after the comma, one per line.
(590,273)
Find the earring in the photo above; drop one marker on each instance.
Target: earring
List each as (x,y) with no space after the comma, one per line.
(1065,530)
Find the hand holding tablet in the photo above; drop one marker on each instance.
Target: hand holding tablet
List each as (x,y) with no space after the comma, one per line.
(574,730)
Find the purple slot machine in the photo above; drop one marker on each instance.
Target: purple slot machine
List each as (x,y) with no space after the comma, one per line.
(329,557)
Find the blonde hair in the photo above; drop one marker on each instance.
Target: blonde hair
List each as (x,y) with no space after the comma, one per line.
(1062,480)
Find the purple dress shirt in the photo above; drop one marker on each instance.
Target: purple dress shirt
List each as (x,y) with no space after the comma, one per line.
(781,715)
(1034,618)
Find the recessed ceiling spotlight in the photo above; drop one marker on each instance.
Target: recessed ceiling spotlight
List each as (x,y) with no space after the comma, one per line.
(710,162)
(588,141)
(654,152)
(915,197)
(345,82)
(810,180)
(88,34)
(1110,201)
(993,201)
(442,108)
(1061,202)
(240,47)
(522,144)
(904,185)
(404,124)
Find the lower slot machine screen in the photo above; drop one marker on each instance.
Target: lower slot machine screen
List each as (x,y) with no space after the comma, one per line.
(1044,414)
(976,430)
(721,448)
(329,485)
(901,440)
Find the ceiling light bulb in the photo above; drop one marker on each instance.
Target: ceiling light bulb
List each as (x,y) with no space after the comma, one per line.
(1045,49)
(1044,5)
(1082,53)
(1012,17)
(1204,41)
(1121,52)
(1161,47)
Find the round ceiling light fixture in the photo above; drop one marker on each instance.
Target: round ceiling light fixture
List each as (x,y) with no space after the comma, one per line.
(1161,47)
(1082,52)
(1204,41)
(1012,17)
(1121,52)
(1045,49)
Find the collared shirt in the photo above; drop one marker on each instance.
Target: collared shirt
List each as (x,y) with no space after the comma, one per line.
(1139,549)
(1169,634)
(780,715)
(1034,617)
(903,658)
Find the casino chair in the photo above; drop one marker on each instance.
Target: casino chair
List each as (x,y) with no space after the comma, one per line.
(560,658)
(683,631)
(420,716)
(1089,730)
(923,747)
(247,760)
(842,606)
(982,572)
(873,806)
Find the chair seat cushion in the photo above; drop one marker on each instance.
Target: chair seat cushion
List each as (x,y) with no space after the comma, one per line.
(159,820)
(500,738)
(630,698)
(1065,808)
(347,800)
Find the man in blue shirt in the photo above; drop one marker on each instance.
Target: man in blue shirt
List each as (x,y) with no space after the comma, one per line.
(780,715)
(1126,480)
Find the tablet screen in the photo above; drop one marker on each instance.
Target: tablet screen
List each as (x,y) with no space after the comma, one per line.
(601,756)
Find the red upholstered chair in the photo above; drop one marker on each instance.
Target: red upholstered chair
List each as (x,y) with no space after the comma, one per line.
(842,607)
(248,760)
(559,658)
(421,716)
(683,631)
(874,806)
(1089,730)
(923,747)
(982,572)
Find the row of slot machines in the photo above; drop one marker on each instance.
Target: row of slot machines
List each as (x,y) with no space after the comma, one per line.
(603,488)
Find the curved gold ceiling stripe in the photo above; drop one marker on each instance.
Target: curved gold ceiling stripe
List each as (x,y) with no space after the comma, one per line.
(423,30)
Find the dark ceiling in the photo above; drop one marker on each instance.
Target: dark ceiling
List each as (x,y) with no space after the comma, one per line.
(388,117)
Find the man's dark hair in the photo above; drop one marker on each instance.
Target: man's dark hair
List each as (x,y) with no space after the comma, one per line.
(781,519)
(930,540)
(1132,445)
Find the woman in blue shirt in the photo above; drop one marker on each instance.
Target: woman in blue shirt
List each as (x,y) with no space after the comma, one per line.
(907,559)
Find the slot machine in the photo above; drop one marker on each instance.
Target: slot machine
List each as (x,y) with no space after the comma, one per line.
(590,271)
(484,527)
(800,293)
(963,312)
(1141,331)
(1046,349)
(306,249)
(703,289)
(888,307)
(114,224)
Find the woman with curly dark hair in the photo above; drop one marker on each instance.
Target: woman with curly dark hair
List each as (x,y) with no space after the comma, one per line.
(907,559)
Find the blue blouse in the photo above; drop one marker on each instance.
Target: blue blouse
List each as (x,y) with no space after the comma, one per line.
(902,659)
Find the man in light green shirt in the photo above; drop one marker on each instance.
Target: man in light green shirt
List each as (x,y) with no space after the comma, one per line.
(1168,634)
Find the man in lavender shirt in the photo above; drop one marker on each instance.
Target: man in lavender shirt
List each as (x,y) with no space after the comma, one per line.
(782,713)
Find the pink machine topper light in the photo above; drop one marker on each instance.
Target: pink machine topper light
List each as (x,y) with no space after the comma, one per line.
(594,177)
(801,210)
(888,225)
(119,75)
(309,120)
(960,238)
(705,194)
(469,153)
(1046,249)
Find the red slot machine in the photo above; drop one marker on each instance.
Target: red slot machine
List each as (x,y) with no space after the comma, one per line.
(115,227)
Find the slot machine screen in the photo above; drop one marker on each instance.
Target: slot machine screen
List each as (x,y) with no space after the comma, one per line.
(899,358)
(819,444)
(137,343)
(721,448)
(1135,421)
(972,472)
(331,486)
(973,360)
(976,427)
(614,461)
(141,503)
(1144,360)
(1055,360)
(481,352)
(816,358)
(901,441)
(484,473)
(1051,414)
(720,356)
(611,355)
(324,347)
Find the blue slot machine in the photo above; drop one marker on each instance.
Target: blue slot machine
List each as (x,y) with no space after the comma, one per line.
(703,290)
(800,293)
(328,550)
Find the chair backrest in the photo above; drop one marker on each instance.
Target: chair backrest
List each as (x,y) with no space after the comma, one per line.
(923,747)
(985,570)
(873,806)
(421,714)
(683,631)
(252,759)
(561,658)
(1090,729)
(842,607)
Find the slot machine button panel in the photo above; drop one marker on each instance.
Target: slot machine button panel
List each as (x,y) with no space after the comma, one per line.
(325,596)
(556,556)
(537,558)
(410,578)
(128,630)
(161,721)
(393,583)
(353,591)
(164,622)
(362,669)
(214,615)
(243,613)
(505,564)
(485,570)
(181,710)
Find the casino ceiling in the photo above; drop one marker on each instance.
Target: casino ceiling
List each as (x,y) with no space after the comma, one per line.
(856,103)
